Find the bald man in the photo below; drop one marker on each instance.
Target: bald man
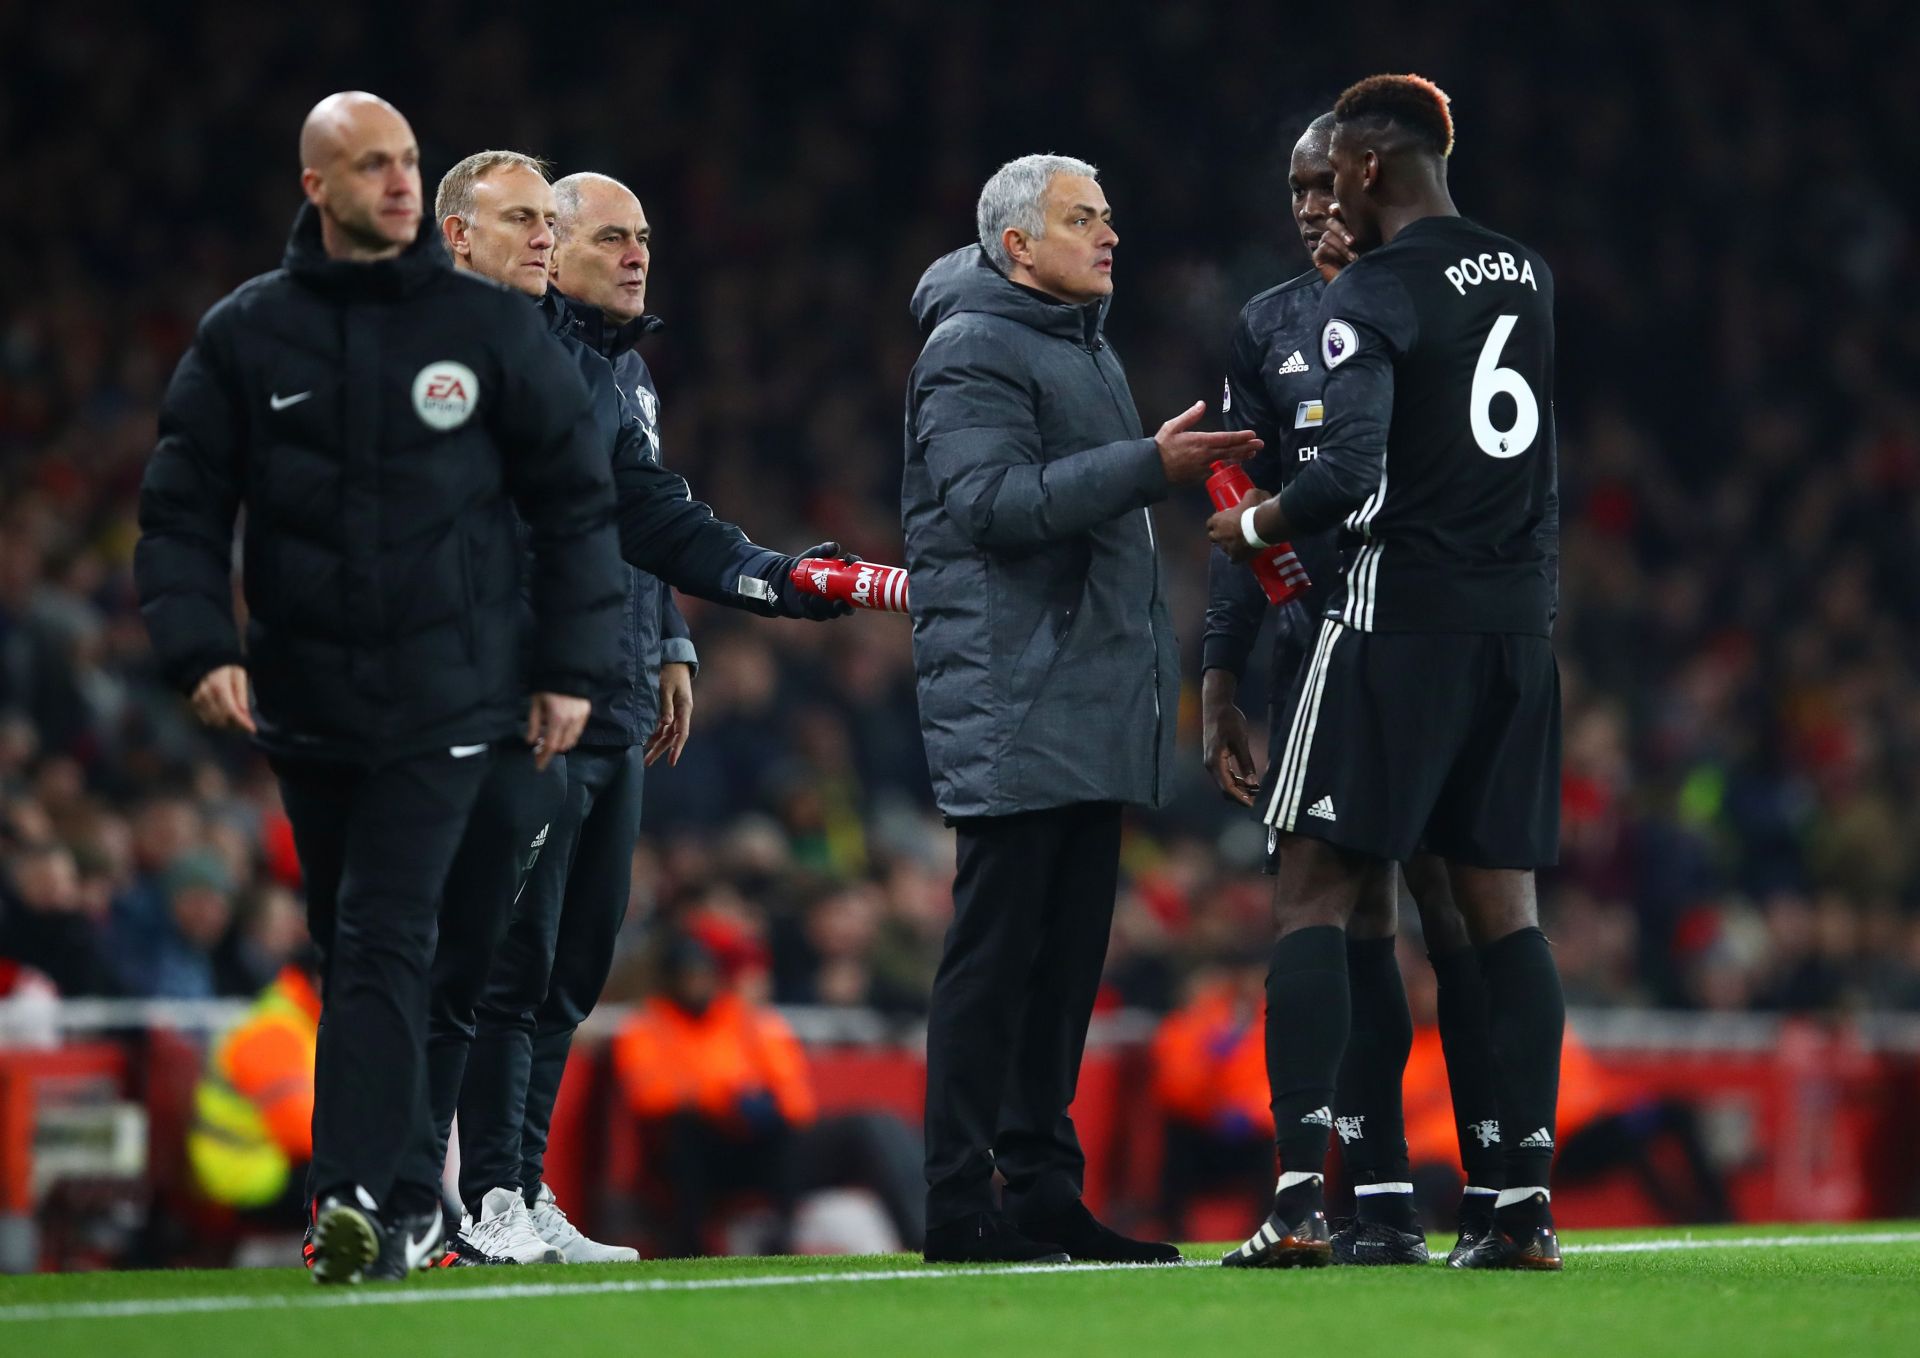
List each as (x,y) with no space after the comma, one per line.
(380,418)
(549,974)
(497,213)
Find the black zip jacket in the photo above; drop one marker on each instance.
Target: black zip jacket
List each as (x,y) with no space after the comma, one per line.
(654,632)
(379,423)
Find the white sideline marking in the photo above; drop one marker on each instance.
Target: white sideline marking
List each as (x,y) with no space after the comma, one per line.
(1742,1243)
(318,1300)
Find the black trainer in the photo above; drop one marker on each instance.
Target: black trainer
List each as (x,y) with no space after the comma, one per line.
(412,1241)
(1294,1235)
(1522,1238)
(1060,1215)
(1375,1242)
(459,1252)
(344,1241)
(988,1238)
(1476,1223)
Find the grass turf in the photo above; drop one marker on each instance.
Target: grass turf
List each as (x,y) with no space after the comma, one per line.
(1830,1295)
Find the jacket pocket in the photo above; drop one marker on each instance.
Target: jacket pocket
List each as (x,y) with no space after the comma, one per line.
(1036,659)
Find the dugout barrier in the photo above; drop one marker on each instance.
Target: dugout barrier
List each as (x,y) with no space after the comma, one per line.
(1808,1121)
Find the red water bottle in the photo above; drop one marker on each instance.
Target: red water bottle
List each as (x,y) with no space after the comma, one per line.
(863,584)
(1276,568)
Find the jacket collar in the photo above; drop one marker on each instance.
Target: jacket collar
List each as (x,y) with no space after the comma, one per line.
(413,268)
(605,337)
(966,280)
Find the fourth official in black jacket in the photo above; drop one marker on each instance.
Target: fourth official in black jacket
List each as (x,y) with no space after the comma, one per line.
(379,421)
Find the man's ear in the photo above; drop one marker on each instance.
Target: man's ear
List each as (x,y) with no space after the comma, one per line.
(459,243)
(313,186)
(1019,249)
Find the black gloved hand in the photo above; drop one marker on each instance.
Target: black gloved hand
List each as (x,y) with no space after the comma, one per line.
(790,601)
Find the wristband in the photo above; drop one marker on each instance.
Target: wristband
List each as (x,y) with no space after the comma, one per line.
(1254,540)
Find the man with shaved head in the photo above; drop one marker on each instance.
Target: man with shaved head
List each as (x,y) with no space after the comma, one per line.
(381,419)
(502,1057)
(549,972)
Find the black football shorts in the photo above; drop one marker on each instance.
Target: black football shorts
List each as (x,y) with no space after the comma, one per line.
(1446,742)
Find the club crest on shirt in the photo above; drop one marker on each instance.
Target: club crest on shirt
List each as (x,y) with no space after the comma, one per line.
(649,405)
(445,394)
(1337,343)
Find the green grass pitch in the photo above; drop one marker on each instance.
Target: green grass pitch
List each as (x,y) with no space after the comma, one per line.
(1744,1291)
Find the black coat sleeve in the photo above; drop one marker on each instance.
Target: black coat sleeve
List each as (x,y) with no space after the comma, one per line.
(666,532)
(189,497)
(556,472)
(1374,320)
(1235,602)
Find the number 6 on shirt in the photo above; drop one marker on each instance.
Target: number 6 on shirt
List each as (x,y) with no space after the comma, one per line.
(1491,380)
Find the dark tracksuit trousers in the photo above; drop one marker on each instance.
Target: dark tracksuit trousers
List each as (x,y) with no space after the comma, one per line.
(549,972)
(513,821)
(1033,907)
(375,844)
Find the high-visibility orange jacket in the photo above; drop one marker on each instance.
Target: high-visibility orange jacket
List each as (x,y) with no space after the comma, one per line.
(1209,1062)
(1587,1091)
(670,1061)
(253,1111)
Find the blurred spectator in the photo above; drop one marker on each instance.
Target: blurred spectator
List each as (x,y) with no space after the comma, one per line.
(1210,1083)
(252,1133)
(829,958)
(42,921)
(719,1087)
(161,942)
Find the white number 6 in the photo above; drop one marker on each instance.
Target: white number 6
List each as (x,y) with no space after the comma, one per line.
(1489,381)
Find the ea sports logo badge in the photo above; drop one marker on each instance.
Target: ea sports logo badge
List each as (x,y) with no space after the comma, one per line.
(1337,343)
(444,394)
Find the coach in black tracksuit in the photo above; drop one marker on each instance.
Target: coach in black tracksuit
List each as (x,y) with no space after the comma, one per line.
(550,969)
(375,419)
(502,974)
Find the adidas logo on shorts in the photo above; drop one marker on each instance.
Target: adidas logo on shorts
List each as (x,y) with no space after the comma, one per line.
(1541,1140)
(1323,809)
(1319,1117)
(1294,364)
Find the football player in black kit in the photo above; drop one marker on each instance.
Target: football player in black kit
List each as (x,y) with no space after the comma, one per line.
(1274,388)
(1429,714)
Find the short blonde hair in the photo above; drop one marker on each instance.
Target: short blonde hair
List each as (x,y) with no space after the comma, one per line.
(454,197)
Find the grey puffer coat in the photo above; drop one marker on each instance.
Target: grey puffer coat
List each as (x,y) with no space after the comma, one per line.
(1047,666)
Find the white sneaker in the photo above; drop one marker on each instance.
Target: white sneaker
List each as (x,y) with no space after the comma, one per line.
(505,1231)
(553,1227)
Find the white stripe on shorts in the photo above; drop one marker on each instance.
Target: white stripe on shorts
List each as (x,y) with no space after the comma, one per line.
(1285,802)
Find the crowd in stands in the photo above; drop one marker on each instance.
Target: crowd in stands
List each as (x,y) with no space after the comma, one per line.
(1739,442)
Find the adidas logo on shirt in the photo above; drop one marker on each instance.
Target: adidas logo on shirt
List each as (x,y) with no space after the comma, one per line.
(1541,1140)
(1323,809)
(1294,364)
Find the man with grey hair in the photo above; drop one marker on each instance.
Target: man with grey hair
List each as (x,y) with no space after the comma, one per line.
(1049,686)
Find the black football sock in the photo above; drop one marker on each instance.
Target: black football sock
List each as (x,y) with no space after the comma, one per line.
(1307,1018)
(1467,1041)
(1527,1013)
(1367,1113)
